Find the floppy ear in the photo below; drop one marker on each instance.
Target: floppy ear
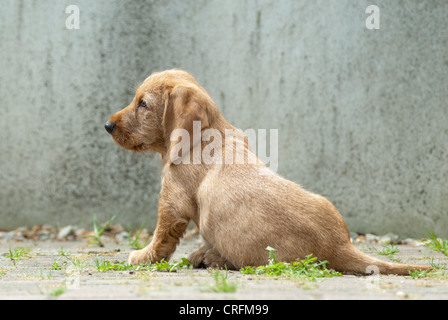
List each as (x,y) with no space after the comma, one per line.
(185,109)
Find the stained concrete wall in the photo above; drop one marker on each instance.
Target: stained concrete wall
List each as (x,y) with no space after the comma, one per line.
(362,114)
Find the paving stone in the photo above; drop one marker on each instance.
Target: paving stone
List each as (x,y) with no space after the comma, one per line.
(33,277)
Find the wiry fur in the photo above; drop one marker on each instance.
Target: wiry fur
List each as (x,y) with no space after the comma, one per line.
(240,209)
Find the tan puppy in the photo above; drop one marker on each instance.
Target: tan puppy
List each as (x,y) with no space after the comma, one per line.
(240,208)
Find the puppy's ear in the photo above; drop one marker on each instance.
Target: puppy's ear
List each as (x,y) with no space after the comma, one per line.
(185,109)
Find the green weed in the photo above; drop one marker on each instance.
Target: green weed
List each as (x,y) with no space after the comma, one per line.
(388,250)
(76,262)
(57,292)
(57,264)
(16,254)
(418,273)
(104,265)
(438,272)
(96,237)
(162,266)
(308,268)
(438,244)
(171,266)
(62,252)
(134,241)
(221,282)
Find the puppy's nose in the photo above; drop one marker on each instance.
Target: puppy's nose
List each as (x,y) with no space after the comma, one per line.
(110,127)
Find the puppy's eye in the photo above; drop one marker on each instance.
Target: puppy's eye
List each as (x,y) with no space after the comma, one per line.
(142,104)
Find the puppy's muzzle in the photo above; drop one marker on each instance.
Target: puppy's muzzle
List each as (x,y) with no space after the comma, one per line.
(110,127)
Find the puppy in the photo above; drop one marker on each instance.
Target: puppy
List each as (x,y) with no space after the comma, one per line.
(240,207)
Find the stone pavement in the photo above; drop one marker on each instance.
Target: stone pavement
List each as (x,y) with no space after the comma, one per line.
(67,270)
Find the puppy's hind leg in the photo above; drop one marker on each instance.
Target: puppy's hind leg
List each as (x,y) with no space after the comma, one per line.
(208,257)
(197,257)
(213,259)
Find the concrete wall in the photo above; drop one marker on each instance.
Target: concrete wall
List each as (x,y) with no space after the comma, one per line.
(362,114)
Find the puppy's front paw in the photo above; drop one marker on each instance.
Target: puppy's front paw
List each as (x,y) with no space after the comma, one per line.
(138,257)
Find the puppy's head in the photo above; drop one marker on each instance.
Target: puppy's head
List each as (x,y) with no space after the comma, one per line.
(165,101)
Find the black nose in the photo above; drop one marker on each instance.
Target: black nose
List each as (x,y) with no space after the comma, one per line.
(110,127)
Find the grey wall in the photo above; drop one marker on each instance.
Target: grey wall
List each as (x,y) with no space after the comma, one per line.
(362,114)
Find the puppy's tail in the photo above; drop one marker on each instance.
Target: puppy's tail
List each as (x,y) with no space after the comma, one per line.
(351,260)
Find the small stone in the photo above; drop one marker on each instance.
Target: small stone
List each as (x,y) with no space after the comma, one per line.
(8,236)
(65,232)
(44,237)
(122,236)
(402,295)
(416,243)
(385,240)
(46,232)
(371,238)
(19,232)
(360,239)
(388,239)
(116,229)
(407,241)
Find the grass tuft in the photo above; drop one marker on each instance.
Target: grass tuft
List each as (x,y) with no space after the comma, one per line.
(97,232)
(308,268)
(16,254)
(438,244)
(388,250)
(221,282)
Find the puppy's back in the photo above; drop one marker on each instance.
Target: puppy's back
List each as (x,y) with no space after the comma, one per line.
(243,210)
